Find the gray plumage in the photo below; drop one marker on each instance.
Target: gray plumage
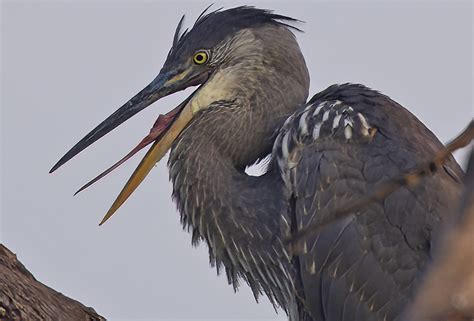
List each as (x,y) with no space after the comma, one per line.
(356,269)
(324,153)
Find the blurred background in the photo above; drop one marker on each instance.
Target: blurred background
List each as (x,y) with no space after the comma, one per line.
(66,65)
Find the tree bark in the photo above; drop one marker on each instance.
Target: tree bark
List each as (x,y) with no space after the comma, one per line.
(22,297)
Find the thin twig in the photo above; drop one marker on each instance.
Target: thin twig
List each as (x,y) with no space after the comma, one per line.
(411,179)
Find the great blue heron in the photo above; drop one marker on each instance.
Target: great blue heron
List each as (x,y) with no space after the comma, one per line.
(335,148)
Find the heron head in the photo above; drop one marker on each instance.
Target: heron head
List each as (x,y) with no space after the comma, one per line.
(217,44)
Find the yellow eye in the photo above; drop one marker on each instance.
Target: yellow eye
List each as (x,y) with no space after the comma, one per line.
(200,57)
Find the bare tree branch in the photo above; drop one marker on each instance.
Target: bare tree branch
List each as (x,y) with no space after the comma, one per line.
(22,297)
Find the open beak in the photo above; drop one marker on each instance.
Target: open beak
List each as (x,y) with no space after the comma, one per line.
(165,130)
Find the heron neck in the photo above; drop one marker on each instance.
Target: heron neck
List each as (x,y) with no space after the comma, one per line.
(240,217)
(215,195)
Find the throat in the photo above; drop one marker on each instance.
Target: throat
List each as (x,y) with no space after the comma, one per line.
(216,196)
(238,216)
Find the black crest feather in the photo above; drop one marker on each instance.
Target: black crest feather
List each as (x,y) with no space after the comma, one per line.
(210,28)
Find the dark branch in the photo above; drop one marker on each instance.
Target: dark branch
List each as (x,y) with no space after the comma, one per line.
(22,297)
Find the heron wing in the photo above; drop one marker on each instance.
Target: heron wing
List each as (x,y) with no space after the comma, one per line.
(339,147)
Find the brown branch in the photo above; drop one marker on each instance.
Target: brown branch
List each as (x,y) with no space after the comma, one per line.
(447,291)
(22,297)
(385,189)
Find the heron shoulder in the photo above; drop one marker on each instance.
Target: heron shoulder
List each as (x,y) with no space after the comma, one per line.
(324,116)
(354,114)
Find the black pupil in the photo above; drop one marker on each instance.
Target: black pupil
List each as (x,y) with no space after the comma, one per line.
(200,57)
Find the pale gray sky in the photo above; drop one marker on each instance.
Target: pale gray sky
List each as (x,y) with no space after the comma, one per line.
(67,65)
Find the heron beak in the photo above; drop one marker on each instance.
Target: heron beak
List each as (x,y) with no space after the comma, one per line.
(164,132)
(153,156)
(163,85)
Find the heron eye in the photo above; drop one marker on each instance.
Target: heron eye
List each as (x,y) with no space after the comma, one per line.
(200,57)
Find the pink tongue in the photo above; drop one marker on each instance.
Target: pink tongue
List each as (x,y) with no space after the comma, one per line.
(159,127)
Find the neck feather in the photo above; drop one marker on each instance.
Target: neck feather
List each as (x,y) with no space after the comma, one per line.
(241,108)
(240,217)
(261,79)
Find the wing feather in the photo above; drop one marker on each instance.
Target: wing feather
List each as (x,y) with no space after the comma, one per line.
(336,149)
